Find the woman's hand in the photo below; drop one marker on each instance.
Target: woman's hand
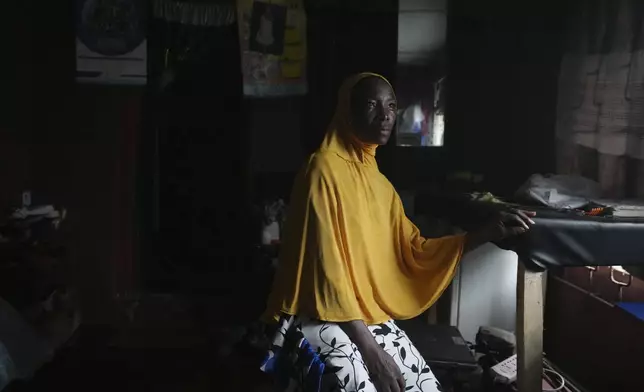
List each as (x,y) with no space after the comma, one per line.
(384,372)
(382,368)
(510,223)
(505,224)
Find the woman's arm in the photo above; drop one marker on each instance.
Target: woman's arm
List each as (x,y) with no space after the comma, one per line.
(477,238)
(383,370)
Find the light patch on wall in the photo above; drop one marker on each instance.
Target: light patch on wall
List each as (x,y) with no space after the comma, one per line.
(422,30)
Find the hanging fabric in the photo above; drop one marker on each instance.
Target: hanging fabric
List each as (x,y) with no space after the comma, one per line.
(195,14)
(191,37)
(273,47)
(600,113)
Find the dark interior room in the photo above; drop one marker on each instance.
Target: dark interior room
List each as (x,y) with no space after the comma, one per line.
(156,157)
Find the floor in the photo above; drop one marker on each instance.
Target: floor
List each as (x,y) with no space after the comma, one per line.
(91,365)
(162,344)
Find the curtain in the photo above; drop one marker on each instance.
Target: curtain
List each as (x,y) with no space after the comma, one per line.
(600,110)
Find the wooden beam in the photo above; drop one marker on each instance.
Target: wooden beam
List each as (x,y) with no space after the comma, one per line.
(529,330)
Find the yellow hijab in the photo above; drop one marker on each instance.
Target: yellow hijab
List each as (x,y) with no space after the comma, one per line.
(349,252)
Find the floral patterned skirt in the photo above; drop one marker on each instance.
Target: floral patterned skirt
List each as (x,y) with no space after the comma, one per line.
(317,356)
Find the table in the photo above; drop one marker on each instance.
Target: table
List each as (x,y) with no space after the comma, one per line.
(558,239)
(563,239)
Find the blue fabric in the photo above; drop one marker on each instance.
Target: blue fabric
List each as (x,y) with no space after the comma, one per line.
(292,357)
(634,308)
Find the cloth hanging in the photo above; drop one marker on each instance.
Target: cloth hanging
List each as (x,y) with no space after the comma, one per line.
(600,113)
(195,14)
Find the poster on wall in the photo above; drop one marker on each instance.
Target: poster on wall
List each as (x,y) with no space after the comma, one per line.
(273,47)
(111,46)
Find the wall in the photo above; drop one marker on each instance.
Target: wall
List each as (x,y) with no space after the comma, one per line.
(71,145)
(15,111)
(501,97)
(275,132)
(277,150)
(422,30)
(487,291)
(89,167)
(86,166)
(15,168)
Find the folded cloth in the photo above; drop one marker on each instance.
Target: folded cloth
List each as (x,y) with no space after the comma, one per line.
(44,211)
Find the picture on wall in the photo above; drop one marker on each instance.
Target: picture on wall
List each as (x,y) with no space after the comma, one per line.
(267,26)
(272,41)
(111,45)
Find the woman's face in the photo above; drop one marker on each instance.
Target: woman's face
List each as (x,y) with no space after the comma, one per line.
(373,110)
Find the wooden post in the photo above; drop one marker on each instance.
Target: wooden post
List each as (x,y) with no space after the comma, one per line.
(529,330)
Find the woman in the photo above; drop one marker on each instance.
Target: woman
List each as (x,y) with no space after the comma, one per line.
(352,262)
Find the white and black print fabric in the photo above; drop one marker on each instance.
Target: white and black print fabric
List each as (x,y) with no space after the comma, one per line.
(317,356)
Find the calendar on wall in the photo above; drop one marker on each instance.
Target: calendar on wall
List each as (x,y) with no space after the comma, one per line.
(111,45)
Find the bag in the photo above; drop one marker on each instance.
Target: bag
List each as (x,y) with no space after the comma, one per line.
(559,191)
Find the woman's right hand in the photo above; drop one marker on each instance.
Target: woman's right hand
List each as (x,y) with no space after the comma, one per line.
(505,224)
(510,223)
(383,370)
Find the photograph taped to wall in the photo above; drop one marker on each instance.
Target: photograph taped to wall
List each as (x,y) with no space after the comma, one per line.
(111,44)
(267,25)
(272,41)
